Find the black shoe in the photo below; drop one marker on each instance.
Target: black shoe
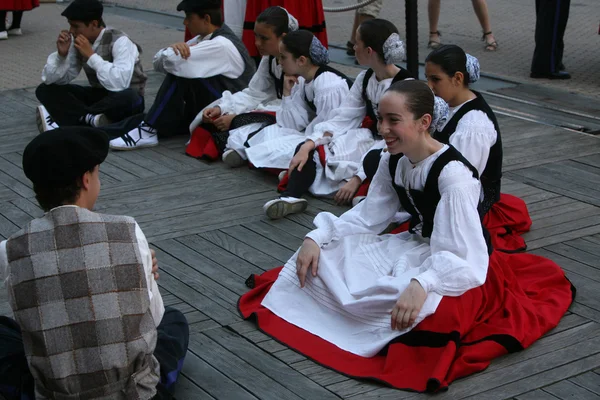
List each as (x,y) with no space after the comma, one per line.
(350,48)
(551,75)
(561,67)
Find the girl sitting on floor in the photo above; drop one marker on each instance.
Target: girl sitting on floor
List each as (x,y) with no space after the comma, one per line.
(331,155)
(210,128)
(472,128)
(417,309)
(311,91)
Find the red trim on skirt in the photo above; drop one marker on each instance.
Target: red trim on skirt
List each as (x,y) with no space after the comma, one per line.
(524,297)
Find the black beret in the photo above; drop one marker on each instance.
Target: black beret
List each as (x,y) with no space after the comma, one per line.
(83,10)
(59,156)
(191,5)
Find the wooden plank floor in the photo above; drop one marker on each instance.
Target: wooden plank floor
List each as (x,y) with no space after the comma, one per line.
(206,223)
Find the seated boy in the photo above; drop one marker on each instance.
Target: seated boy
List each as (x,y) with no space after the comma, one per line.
(198,72)
(82,284)
(111,62)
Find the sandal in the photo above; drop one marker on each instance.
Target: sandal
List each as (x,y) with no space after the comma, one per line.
(489,46)
(433,44)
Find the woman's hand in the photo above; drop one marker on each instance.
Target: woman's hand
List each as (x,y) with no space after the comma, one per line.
(301,157)
(288,83)
(308,258)
(224,122)
(210,114)
(408,306)
(347,192)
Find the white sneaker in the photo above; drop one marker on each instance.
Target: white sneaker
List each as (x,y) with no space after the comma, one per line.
(96,121)
(44,120)
(282,175)
(357,200)
(279,208)
(15,32)
(233,158)
(142,136)
(3,35)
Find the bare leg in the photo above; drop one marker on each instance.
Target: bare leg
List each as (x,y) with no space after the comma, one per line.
(433,11)
(481,10)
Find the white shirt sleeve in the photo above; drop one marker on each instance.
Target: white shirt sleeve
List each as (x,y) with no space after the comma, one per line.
(116,76)
(372,215)
(260,90)
(62,70)
(295,112)
(330,90)
(459,256)
(349,115)
(474,136)
(217,56)
(3,262)
(157,307)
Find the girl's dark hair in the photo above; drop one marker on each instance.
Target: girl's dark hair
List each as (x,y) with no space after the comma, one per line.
(374,33)
(451,59)
(275,17)
(298,43)
(419,97)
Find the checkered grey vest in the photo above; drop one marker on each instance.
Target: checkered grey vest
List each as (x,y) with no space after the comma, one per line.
(104,50)
(78,291)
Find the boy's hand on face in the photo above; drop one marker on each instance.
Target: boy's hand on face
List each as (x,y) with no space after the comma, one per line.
(63,43)
(83,45)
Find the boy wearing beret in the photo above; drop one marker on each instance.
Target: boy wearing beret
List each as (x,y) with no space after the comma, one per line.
(111,62)
(197,73)
(82,285)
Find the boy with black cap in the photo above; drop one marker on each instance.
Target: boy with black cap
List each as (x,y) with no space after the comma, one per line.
(198,72)
(111,62)
(82,284)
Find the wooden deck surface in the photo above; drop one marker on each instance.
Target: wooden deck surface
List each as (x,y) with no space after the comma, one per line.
(207,225)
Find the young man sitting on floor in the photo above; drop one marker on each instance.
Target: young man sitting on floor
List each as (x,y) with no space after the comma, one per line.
(82,284)
(198,72)
(111,62)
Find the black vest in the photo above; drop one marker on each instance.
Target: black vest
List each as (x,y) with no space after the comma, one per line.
(490,178)
(424,203)
(216,85)
(371,112)
(278,81)
(322,69)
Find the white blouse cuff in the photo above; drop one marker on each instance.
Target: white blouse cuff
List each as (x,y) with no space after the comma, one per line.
(320,236)
(361,175)
(428,280)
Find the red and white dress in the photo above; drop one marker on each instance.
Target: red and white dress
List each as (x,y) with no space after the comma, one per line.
(478,306)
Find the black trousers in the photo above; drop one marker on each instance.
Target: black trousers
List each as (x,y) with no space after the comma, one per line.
(300,181)
(16,382)
(550,25)
(177,103)
(68,103)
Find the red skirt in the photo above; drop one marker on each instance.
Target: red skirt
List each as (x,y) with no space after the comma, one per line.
(18,5)
(309,13)
(524,297)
